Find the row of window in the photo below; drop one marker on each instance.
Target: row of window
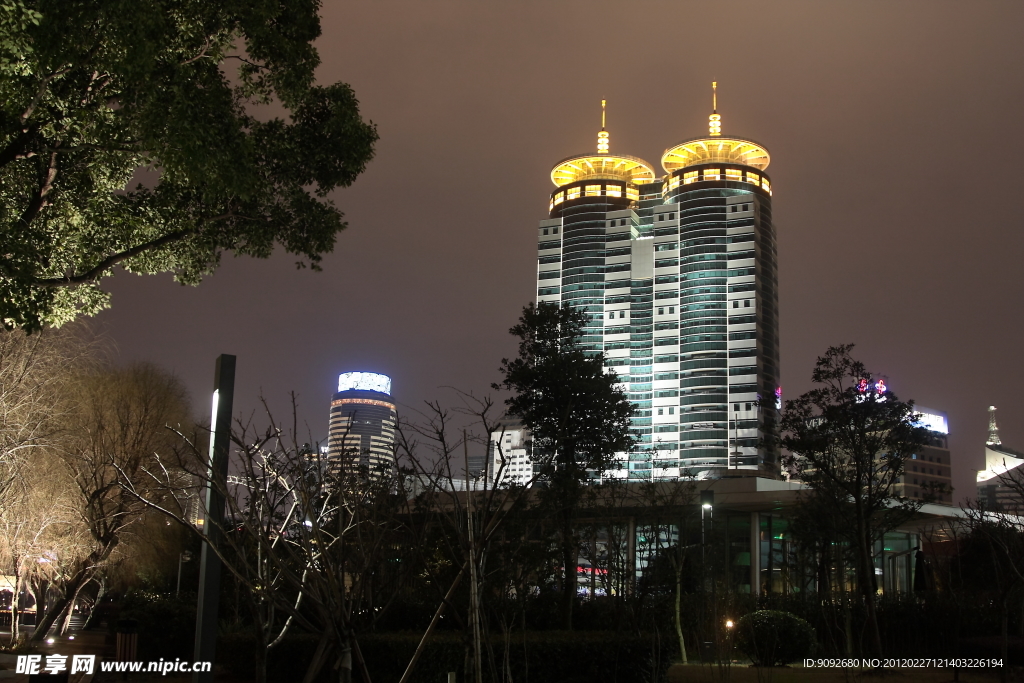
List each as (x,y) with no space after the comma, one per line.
(715,174)
(578,191)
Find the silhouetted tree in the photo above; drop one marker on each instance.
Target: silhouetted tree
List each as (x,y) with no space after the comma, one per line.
(849,438)
(579,418)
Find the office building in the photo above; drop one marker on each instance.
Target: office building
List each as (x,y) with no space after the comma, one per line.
(362,426)
(678,275)
(928,473)
(1001,483)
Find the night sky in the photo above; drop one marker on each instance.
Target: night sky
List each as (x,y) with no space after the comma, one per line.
(896,141)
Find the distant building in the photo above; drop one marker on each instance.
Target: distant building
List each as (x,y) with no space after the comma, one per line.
(1002,466)
(511,448)
(362,427)
(928,473)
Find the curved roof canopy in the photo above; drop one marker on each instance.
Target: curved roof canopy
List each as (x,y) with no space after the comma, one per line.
(601,167)
(729,150)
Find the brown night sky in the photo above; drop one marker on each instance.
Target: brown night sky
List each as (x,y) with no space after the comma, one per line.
(897,167)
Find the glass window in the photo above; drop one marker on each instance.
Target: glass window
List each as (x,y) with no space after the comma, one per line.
(671,216)
(733,174)
(632,193)
(622,221)
(559,198)
(572,193)
(622,314)
(746,303)
(736,304)
(611,316)
(661,311)
(554,231)
(690,177)
(661,411)
(671,309)
(712,173)
(673,183)
(593,190)
(748,406)
(671,411)
(614,191)
(753,178)
(765,185)
(545,231)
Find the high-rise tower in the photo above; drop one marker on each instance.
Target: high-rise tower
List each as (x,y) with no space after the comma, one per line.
(362,427)
(678,276)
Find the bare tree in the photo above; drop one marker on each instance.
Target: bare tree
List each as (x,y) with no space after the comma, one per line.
(307,535)
(35,372)
(119,425)
(38,528)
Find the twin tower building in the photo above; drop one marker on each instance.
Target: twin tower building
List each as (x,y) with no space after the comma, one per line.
(677,273)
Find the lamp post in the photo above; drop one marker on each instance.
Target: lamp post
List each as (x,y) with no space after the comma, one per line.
(707,506)
(184,556)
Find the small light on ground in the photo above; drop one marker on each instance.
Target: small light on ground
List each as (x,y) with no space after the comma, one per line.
(49,641)
(728,623)
(71,637)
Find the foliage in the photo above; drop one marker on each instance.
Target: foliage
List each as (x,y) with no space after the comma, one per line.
(549,656)
(770,637)
(576,414)
(562,394)
(92,93)
(849,439)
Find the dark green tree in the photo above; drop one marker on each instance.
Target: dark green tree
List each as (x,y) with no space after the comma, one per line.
(214,101)
(579,418)
(849,438)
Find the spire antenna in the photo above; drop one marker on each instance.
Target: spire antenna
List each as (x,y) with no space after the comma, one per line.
(715,120)
(602,137)
(993,429)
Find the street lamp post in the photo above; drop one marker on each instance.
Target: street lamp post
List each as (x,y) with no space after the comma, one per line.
(707,503)
(184,556)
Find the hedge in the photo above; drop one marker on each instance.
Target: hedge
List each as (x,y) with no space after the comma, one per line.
(579,657)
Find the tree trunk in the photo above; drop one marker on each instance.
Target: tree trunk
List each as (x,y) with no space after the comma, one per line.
(866,587)
(569,562)
(100,592)
(1004,619)
(65,621)
(83,577)
(15,612)
(679,618)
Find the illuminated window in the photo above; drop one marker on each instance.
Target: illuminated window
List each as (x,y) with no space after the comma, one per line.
(765,185)
(614,191)
(593,190)
(690,177)
(753,178)
(632,193)
(572,193)
(673,183)
(712,173)
(559,198)
(734,174)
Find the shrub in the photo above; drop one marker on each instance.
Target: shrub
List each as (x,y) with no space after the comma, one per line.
(770,637)
(166,624)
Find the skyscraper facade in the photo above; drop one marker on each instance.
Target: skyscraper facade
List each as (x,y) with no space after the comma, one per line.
(677,273)
(362,426)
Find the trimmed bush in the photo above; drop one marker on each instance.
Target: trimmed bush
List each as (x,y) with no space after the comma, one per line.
(771,638)
(579,657)
(166,624)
